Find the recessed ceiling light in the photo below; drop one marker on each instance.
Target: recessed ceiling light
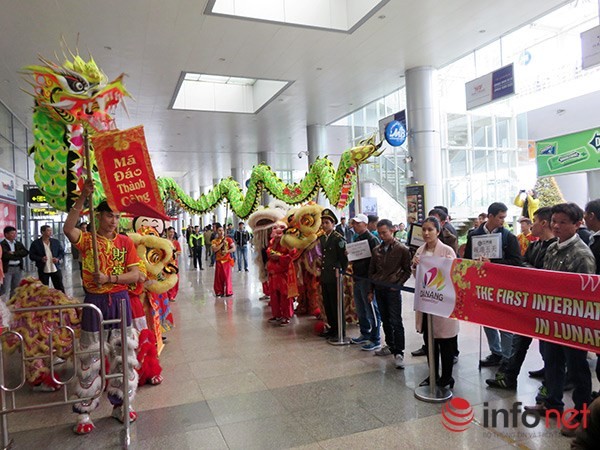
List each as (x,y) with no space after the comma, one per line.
(319,68)
(381,16)
(482,31)
(106,47)
(222,59)
(280,99)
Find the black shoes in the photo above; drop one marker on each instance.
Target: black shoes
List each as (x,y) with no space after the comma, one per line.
(490,361)
(536,373)
(420,352)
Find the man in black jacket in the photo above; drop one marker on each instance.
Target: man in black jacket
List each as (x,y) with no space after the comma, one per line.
(48,253)
(334,257)
(241,237)
(506,376)
(369,319)
(13,252)
(499,342)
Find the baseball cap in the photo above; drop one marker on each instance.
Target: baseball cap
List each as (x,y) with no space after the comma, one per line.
(360,218)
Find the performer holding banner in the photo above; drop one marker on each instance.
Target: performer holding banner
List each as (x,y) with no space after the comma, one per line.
(104,287)
(445,331)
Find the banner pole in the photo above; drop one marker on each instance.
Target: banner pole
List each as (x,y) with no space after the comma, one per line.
(341,338)
(88,167)
(432,393)
(480,339)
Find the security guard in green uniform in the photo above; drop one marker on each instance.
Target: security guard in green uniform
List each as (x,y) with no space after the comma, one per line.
(333,248)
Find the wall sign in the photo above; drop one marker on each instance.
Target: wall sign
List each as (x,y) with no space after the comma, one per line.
(490,87)
(576,152)
(395,133)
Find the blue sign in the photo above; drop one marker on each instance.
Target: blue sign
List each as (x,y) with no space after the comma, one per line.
(395,133)
(503,82)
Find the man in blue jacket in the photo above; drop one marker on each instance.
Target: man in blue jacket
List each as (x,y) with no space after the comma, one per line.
(48,253)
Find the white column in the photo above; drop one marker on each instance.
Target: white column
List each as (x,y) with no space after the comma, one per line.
(593,184)
(423,123)
(316,139)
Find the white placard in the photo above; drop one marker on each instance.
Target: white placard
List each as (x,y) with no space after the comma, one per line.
(8,183)
(358,250)
(486,246)
(590,47)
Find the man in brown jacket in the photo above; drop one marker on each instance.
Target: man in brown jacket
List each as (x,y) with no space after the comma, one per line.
(390,264)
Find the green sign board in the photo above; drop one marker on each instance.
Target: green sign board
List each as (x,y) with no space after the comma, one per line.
(576,152)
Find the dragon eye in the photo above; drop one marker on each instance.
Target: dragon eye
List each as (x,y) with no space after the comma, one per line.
(154,256)
(308,220)
(77,85)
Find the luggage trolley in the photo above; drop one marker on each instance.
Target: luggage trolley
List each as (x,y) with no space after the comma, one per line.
(8,401)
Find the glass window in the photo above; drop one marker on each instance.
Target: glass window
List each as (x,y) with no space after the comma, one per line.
(458,135)
(482,132)
(483,161)
(504,135)
(20,135)
(20,163)
(6,155)
(458,163)
(5,122)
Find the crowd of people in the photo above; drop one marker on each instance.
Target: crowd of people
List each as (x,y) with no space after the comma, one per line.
(551,238)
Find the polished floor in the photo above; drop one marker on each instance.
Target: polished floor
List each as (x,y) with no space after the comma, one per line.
(234,381)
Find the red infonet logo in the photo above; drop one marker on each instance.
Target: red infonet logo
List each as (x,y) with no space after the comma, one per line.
(457,415)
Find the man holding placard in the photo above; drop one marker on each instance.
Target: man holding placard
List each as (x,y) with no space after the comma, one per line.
(491,242)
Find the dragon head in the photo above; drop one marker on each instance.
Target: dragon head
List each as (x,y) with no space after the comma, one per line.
(158,256)
(77,92)
(303,224)
(365,149)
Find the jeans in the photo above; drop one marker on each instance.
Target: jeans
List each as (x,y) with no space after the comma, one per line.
(197,256)
(369,319)
(555,358)
(242,252)
(499,342)
(12,279)
(390,307)
(512,366)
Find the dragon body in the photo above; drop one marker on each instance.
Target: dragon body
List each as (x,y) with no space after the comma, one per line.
(76,98)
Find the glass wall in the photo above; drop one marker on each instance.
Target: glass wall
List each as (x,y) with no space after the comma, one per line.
(486,155)
(14,143)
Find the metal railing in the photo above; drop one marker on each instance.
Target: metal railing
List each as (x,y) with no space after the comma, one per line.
(389,174)
(8,400)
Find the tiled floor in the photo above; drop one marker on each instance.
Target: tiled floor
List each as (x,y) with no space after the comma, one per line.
(234,381)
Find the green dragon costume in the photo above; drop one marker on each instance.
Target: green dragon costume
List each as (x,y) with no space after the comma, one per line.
(77,98)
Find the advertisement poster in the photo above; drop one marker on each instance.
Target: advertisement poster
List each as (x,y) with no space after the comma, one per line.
(8,189)
(558,307)
(415,203)
(575,152)
(369,206)
(8,216)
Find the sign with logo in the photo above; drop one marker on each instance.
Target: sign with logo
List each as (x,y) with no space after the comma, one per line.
(490,87)
(434,291)
(8,189)
(558,307)
(575,152)
(126,173)
(396,131)
(590,47)
(487,246)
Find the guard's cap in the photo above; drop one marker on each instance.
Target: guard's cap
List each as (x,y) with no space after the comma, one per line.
(327,213)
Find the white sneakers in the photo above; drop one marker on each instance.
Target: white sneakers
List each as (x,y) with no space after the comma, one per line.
(399,361)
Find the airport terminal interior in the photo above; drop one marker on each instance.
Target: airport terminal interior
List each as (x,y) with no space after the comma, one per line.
(224,88)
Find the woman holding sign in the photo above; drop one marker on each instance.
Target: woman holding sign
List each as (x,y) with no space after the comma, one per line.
(445,331)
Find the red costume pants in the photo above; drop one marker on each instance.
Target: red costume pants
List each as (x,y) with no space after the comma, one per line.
(281,305)
(223,278)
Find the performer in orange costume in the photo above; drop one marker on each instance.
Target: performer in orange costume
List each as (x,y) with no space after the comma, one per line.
(278,267)
(223,246)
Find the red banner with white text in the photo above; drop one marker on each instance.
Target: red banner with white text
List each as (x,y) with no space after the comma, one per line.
(558,307)
(126,172)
